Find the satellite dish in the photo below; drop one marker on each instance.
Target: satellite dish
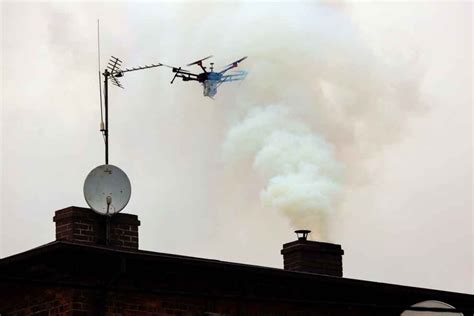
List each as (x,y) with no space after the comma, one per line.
(431,304)
(107,189)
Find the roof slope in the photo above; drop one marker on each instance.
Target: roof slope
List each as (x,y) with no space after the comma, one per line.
(66,264)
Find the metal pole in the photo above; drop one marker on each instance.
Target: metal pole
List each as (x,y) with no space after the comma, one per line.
(106,101)
(107,230)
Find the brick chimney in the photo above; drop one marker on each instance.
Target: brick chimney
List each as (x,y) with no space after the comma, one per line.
(312,256)
(84,226)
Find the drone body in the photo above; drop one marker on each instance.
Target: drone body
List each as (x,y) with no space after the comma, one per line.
(210,80)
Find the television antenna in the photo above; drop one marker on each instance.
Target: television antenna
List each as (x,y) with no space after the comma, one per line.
(107,188)
(112,72)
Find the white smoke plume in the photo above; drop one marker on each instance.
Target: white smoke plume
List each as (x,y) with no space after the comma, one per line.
(303,177)
(335,100)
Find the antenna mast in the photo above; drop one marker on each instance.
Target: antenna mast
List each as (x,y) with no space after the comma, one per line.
(112,72)
(102,127)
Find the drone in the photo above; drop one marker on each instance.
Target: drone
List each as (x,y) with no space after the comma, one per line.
(211,79)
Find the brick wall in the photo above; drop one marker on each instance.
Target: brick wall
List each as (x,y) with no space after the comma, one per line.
(82,225)
(37,301)
(313,256)
(60,301)
(119,304)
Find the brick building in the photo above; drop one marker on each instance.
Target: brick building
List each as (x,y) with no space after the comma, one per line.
(95,268)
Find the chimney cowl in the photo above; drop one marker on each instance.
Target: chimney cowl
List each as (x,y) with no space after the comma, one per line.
(302,234)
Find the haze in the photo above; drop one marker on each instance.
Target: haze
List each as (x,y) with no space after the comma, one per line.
(386,89)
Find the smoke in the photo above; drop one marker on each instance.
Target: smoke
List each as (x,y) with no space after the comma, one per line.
(341,80)
(303,177)
(335,100)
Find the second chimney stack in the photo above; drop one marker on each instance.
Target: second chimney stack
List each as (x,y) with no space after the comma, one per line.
(312,256)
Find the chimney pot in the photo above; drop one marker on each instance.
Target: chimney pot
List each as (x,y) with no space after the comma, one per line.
(302,234)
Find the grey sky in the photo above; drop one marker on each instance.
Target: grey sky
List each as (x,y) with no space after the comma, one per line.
(389,86)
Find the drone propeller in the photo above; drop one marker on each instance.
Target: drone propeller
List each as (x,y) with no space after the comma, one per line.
(199,62)
(234,64)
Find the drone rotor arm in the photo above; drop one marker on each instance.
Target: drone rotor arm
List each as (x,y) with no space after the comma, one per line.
(233,65)
(185,75)
(188,78)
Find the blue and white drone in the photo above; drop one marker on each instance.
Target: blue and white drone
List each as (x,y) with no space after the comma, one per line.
(211,79)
